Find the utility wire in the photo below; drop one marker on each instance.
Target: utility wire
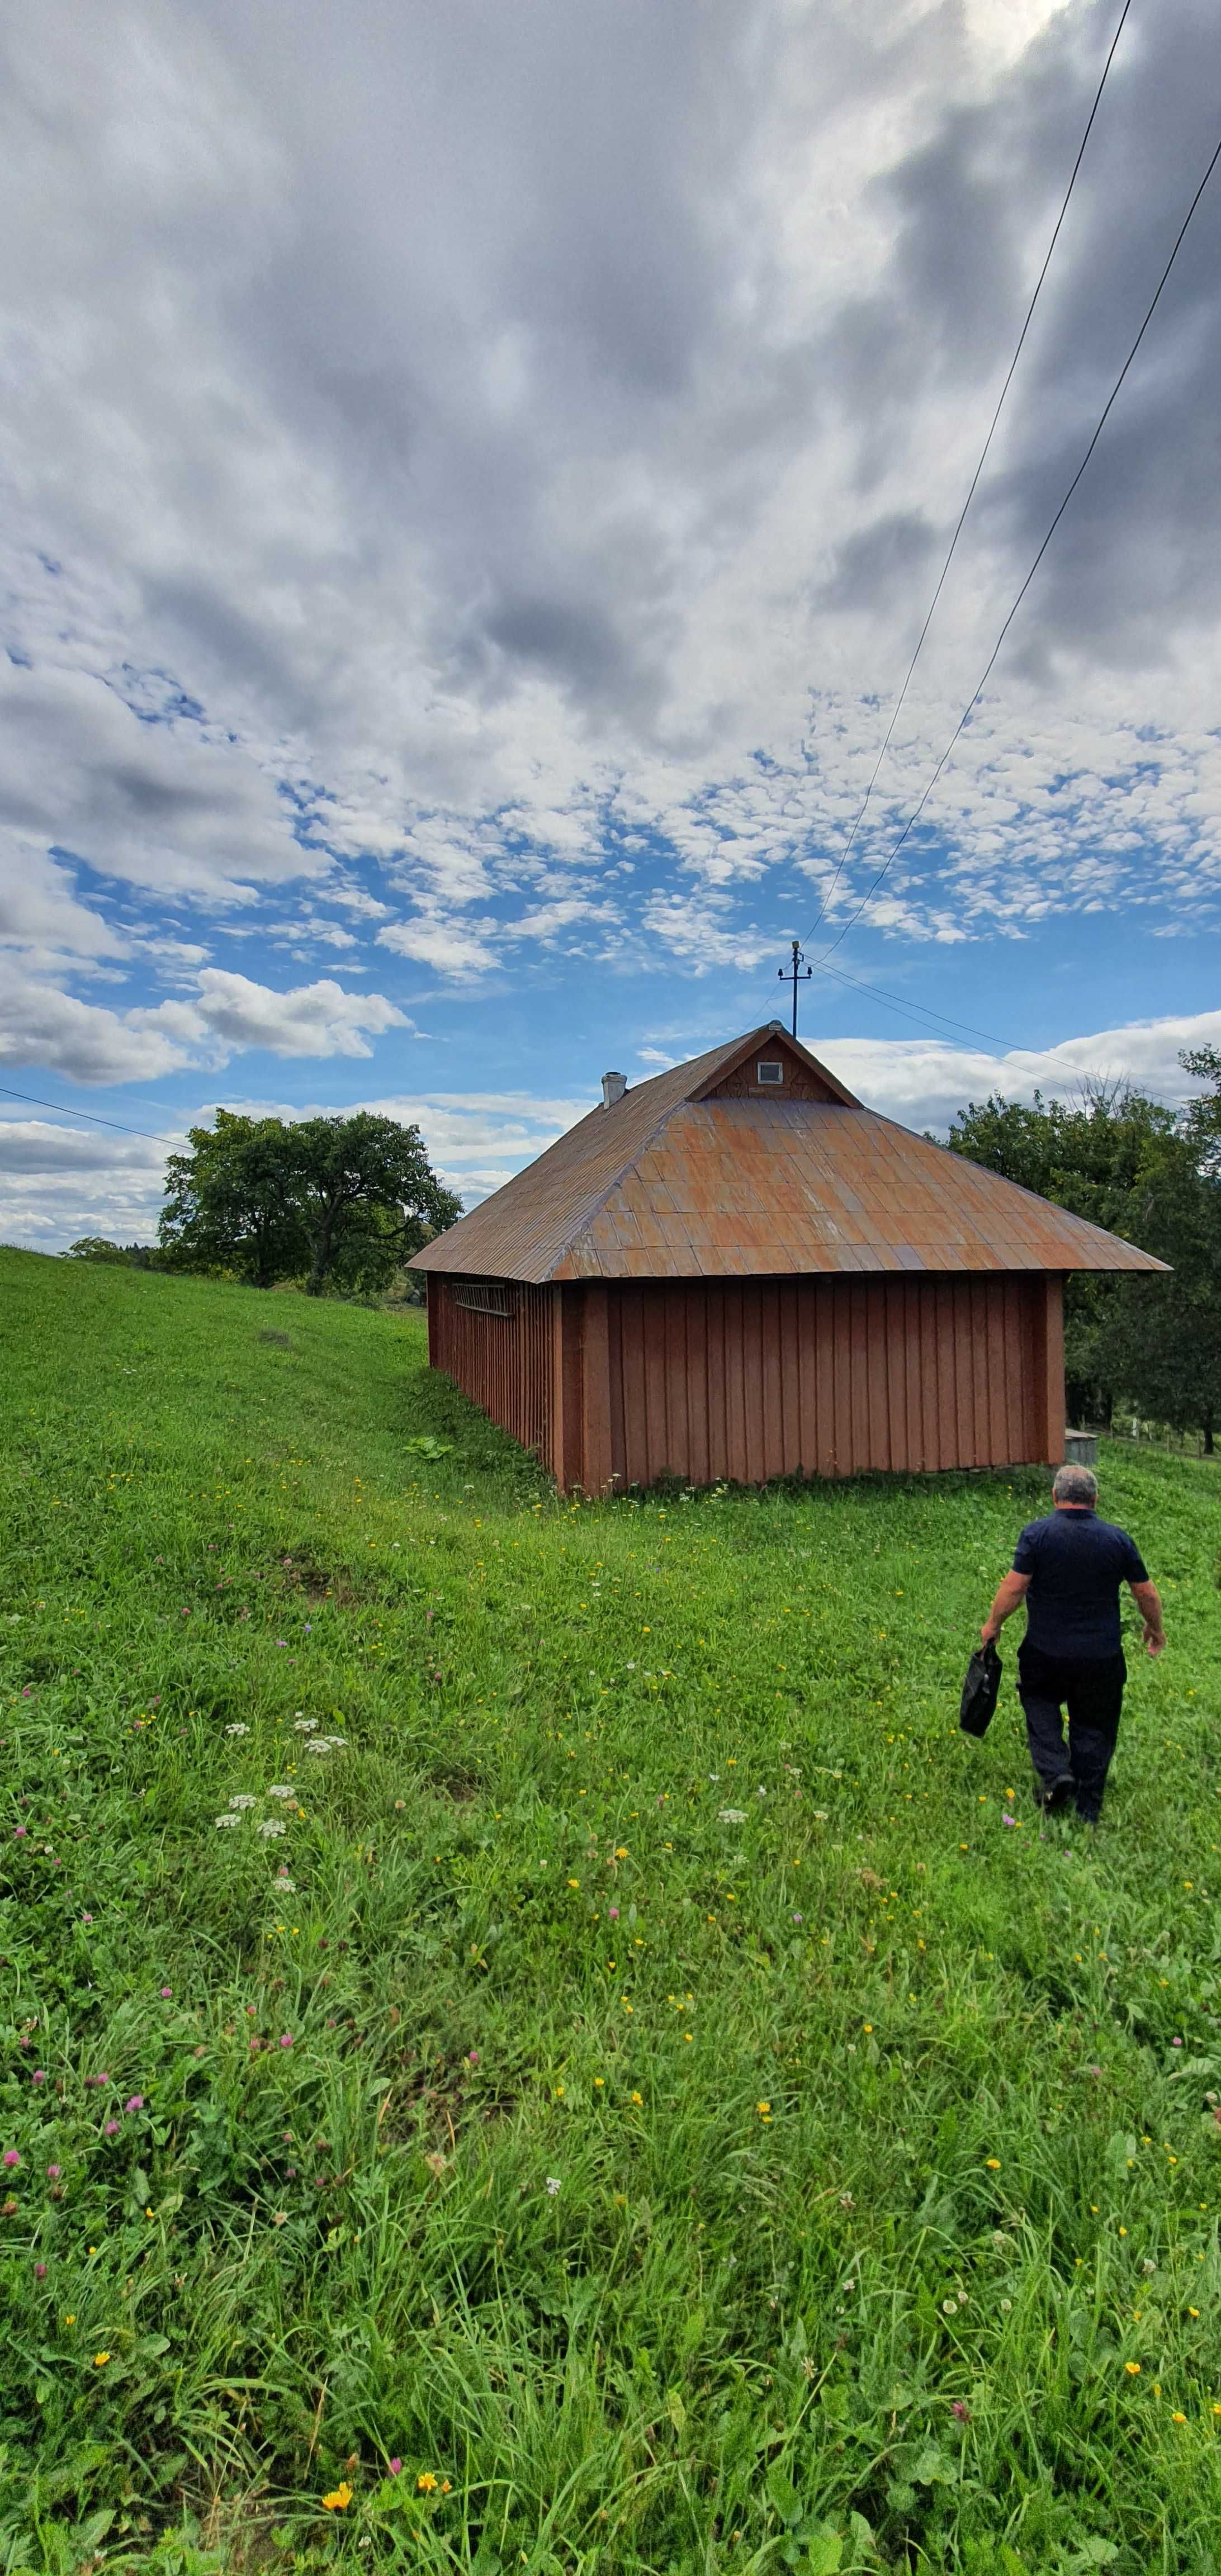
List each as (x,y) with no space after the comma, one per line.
(1034,1055)
(983,458)
(98,1121)
(981,683)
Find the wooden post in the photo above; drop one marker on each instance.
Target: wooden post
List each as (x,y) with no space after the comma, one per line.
(595,1393)
(567,1458)
(1049,1373)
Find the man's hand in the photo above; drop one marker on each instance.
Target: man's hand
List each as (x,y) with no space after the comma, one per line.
(989,1632)
(1149,1603)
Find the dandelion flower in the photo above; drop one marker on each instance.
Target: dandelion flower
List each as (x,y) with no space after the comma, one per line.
(764,2110)
(339,2498)
(100,2360)
(426,2482)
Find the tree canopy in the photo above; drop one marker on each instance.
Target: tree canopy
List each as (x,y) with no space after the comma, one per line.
(337,1203)
(1153,1175)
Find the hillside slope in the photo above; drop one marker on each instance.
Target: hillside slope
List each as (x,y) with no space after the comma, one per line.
(646,2095)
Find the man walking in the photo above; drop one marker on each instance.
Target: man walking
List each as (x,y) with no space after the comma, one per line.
(1068,1570)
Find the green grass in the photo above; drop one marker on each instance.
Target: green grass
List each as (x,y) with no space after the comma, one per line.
(510,2209)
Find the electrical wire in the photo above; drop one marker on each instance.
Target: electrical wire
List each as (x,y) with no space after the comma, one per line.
(983,458)
(968,710)
(98,1121)
(1008,1046)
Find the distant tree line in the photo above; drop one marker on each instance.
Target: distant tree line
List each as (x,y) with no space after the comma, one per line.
(1153,1175)
(336,1206)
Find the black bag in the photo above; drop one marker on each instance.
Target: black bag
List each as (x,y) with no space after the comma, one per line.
(980,1691)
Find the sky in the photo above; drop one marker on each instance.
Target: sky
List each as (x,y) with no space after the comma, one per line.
(471,482)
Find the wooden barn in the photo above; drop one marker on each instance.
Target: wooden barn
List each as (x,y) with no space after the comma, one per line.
(735,1270)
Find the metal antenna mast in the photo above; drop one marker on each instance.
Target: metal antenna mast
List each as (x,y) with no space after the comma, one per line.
(793,975)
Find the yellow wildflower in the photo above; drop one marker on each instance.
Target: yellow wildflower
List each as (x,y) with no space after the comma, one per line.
(638,2099)
(426,2482)
(339,2498)
(993,2163)
(100,2360)
(1133,2369)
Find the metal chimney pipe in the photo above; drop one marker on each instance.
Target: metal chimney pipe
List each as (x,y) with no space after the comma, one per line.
(613,1087)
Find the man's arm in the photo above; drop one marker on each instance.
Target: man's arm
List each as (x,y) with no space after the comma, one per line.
(1148,1602)
(1009,1598)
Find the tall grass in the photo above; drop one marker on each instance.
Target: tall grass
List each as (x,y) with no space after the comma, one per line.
(682,2113)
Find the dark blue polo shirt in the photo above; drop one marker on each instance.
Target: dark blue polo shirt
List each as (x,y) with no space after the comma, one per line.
(1076,1564)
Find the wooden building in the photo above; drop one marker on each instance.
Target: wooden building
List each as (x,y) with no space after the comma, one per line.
(735,1270)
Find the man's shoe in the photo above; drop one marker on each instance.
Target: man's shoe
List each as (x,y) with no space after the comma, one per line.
(1053,1796)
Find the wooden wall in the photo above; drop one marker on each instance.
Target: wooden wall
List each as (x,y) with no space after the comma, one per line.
(757,1378)
(825,1377)
(505,1363)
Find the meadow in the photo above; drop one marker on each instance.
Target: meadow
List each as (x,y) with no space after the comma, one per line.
(529,2040)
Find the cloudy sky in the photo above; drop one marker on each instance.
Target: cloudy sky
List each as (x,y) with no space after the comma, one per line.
(472,481)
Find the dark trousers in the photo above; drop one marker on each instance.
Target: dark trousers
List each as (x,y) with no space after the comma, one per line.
(1093,1692)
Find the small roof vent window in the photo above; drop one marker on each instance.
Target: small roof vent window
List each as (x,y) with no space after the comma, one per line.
(770,1070)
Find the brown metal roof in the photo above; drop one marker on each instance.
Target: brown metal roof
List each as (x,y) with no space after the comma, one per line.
(672,1184)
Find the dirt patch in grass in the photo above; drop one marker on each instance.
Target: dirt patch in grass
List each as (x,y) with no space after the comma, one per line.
(457,1785)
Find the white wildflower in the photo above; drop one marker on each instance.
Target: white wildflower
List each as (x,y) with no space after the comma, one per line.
(237,1730)
(243,1800)
(731,1815)
(271,1825)
(284,1886)
(226,1820)
(305,1726)
(553,2184)
(278,1790)
(319,1744)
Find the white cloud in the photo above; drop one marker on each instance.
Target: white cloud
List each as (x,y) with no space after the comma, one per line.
(224,1014)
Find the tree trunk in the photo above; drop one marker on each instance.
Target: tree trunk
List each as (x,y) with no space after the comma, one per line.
(1208,1435)
(321,1263)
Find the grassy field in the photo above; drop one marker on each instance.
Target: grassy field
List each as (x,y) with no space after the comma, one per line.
(529,2040)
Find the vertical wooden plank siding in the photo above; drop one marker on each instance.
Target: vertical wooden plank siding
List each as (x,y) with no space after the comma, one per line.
(503,1362)
(747,1379)
(754,1379)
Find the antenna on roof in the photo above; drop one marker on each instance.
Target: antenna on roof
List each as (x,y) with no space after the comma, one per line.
(793,975)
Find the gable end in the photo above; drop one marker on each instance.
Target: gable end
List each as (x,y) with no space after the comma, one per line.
(800,1078)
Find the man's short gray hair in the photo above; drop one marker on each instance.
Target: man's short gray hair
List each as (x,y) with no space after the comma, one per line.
(1075,1485)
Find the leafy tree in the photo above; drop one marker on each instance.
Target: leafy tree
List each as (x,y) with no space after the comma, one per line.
(229,1204)
(1152,1175)
(336,1202)
(96,1247)
(1087,1155)
(367,1198)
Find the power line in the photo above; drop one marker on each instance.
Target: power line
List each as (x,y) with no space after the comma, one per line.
(1035,1055)
(842,861)
(968,710)
(64,1112)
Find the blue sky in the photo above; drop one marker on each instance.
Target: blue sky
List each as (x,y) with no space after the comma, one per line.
(471,491)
